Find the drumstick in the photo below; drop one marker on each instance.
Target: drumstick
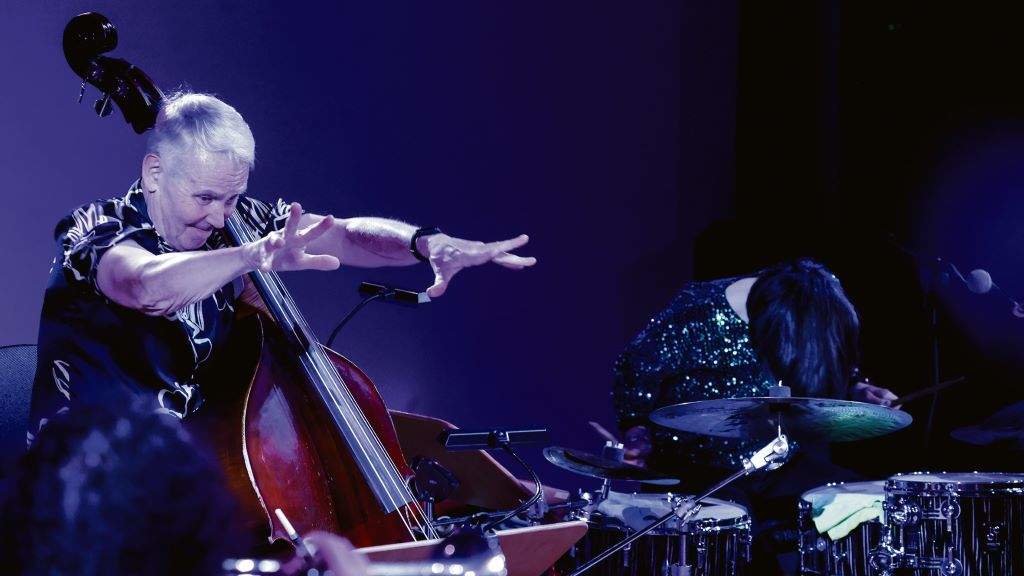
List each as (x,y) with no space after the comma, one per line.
(604,433)
(926,391)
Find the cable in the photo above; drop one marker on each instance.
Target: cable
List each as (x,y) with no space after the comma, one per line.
(334,333)
(526,505)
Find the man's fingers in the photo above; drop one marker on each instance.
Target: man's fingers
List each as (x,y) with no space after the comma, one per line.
(317,230)
(514,262)
(291,227)
(508,245)
(440,285)
(321,262)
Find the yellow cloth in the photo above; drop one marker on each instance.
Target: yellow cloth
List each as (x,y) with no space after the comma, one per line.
(839,516)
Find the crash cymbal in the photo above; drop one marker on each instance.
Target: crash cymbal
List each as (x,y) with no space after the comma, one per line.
(803,419)
(591,465)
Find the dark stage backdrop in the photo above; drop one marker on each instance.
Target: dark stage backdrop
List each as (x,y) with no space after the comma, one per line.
(603,130)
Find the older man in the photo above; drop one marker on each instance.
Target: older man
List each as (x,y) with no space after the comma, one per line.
(143,289)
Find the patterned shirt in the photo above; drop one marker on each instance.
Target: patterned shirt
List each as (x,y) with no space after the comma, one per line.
(92,350)
(697,348)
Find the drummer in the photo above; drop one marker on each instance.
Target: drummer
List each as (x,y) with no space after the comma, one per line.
(735,337)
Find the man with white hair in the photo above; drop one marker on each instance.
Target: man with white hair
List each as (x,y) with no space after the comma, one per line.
(143,289)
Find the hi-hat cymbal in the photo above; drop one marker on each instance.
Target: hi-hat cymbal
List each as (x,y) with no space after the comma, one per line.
(803,419)
(591,465)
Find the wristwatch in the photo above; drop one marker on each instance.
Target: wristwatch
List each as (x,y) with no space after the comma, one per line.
(420,233)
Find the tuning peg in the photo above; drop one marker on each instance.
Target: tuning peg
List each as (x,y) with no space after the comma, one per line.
(81,92)
(103,107)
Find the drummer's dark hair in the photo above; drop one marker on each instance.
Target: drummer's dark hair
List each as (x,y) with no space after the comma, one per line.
(804,328)
(126,492)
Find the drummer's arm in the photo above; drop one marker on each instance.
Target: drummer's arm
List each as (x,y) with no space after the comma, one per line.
(634,394)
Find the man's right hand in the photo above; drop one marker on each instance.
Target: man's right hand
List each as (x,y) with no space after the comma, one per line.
(286,249)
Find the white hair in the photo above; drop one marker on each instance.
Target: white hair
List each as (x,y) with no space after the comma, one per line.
(203,126)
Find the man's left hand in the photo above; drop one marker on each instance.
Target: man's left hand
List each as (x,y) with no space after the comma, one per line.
(448,256)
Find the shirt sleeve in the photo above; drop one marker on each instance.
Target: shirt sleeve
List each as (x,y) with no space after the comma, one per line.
(264,217)
(648,373)
(86,234)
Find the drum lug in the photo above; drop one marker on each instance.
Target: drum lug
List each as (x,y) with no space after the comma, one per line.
(884,557)
(903,513)
(995,536)
(951,510)
(951,566)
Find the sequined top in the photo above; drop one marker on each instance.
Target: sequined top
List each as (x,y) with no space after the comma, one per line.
(697,348)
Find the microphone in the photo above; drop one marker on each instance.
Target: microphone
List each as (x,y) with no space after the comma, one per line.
(373,292)
(980,281)
(396,295)
(488,439)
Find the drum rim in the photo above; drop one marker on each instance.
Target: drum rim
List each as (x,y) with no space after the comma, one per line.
(745,513)
(879,483)
(903,483)
(741,522)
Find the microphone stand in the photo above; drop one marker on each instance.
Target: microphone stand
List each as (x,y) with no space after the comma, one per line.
(938,274)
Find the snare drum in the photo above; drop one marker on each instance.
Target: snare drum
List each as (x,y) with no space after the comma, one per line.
(820,555)
(968,524)
(713,542)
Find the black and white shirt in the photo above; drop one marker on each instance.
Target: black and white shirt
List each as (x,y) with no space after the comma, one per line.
(92,350)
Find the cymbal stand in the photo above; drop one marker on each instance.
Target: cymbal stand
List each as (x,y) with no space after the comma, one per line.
(770,457)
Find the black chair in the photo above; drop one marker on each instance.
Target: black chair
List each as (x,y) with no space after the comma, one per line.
(17,369)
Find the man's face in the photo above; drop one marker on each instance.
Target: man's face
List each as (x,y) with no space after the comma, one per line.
(197,198)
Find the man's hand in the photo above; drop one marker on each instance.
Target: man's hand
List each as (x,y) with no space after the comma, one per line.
(286,249)
(448,256)
(866,392)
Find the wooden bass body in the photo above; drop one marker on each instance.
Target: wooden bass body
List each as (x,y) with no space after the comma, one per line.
(279,447)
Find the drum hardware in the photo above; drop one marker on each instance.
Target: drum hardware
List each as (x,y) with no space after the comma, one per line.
(770,457)
(960,524)
(903,513)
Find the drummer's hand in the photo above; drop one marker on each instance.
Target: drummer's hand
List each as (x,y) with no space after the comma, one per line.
(448,256)
(637,444)
(286,249)
(867,392)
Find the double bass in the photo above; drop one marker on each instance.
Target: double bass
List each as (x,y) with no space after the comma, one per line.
(295,425)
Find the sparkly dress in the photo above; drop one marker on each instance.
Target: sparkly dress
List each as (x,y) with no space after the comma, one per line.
(697,348)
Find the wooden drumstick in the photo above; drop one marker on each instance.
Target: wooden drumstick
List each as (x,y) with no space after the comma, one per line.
(926,391)
(604,432)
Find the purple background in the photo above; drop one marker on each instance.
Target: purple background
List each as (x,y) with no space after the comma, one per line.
(603,130)
(639,144)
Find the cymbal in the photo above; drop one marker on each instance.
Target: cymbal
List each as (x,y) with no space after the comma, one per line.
(591,465)
(1004,429)
(803,419)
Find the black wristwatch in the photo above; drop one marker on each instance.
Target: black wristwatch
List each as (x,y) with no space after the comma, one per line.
(420,233)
